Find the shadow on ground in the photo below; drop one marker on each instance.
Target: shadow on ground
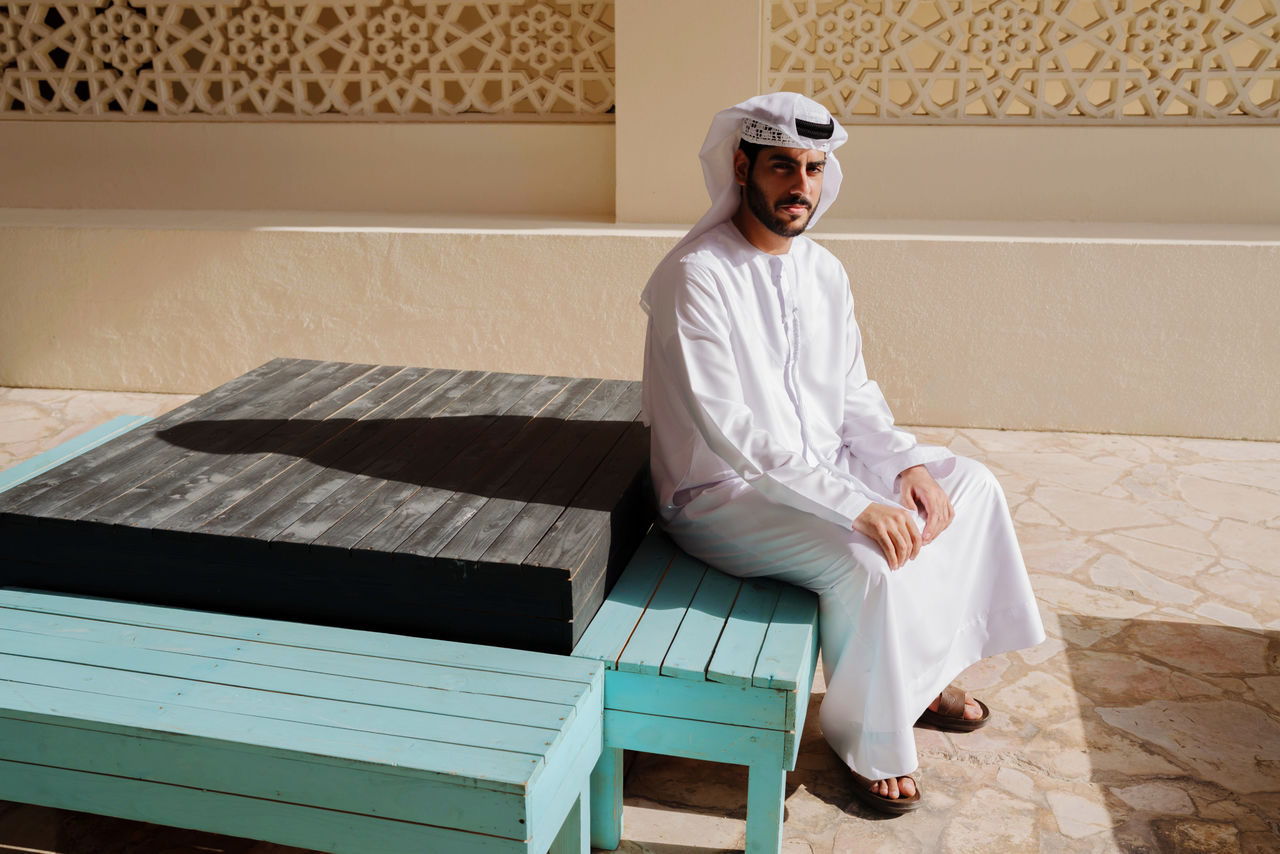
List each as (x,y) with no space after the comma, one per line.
(1181,722)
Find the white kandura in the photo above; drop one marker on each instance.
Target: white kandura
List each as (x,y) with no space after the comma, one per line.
(768,440)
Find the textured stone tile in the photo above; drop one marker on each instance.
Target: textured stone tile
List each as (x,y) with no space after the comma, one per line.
(1176,536)
(1266,690)
(1230,500)
(1264,474)
(1057,554)
(972,830)
(1201,649)
(1257,546)
(1072,597)
(1118,573)
(1195,837)
(1083,511)
(1079,816)
(1158,797)
(1016,783)
(1157,558)
(1031,513)
(1232,744)
(1114,678)
(1227,615)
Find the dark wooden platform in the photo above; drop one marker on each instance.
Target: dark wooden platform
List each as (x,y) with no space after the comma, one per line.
(486,507)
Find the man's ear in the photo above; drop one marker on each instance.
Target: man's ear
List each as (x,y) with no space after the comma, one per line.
(741,166)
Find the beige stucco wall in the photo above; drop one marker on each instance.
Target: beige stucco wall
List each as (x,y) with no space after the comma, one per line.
(1153,332)
(451,168)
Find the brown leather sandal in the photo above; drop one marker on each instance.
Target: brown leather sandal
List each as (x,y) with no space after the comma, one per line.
(881,803)
(950,715)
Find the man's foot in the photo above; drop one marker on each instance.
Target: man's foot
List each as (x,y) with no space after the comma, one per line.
(955,711)
(893,796)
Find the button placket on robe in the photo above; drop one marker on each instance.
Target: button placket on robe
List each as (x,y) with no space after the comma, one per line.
(786,281)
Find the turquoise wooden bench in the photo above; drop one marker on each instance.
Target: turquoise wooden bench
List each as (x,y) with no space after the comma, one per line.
(323,738)
(703,665)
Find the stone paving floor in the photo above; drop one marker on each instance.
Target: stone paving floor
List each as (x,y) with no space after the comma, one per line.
(1149,721)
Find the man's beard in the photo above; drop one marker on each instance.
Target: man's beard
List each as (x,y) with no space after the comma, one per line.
(769,218)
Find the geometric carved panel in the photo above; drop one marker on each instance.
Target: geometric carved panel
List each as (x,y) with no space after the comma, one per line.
(248,59)
(1030,61)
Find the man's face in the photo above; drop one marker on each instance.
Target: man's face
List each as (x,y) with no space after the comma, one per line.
(783,187)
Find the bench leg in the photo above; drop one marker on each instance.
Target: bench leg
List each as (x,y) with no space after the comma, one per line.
(606,800)
(574,835)
(766,788)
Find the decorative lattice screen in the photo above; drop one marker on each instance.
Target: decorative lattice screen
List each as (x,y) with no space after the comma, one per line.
(1096,61)
(236,59)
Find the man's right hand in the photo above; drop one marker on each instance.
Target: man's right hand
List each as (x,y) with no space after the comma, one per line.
(892,529)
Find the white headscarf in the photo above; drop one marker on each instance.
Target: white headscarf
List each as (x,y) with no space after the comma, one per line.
(769,120)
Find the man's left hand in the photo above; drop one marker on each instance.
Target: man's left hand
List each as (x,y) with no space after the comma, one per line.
(920,492)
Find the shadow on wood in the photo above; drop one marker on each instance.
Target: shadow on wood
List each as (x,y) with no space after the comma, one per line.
(496,456)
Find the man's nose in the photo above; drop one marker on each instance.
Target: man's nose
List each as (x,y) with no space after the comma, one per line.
(803,185)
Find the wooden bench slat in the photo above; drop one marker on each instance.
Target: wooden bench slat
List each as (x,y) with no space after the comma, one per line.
(288,388)
(466,475)
(309,827)
(608,633)
(522,535)
(652,637)
(501,770)
(322,675)
(569,539)
(540,449)
(25,499)
(791,633)
(352,529)
(199,476)
(307,482)
(439,449)
(398,509)
(387,452)
(400,647)
(695,641)
(241,443)
(350,788)
(714,702)
(201,688)
(68,450)
(273,475)
(734,661)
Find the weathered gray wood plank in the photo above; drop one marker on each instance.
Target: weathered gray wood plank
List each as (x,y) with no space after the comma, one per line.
(59,484)
(410,437)
(197,474)
(430,460)
(533,521)
(246,499)
(150,459)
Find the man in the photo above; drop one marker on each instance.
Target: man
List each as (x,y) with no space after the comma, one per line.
(774,455)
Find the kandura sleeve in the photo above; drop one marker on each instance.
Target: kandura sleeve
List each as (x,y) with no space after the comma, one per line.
(694,334)
(868,429)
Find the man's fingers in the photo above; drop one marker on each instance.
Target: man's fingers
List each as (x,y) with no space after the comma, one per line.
(906,538)
(887,545)
(909,499)
(916,540)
